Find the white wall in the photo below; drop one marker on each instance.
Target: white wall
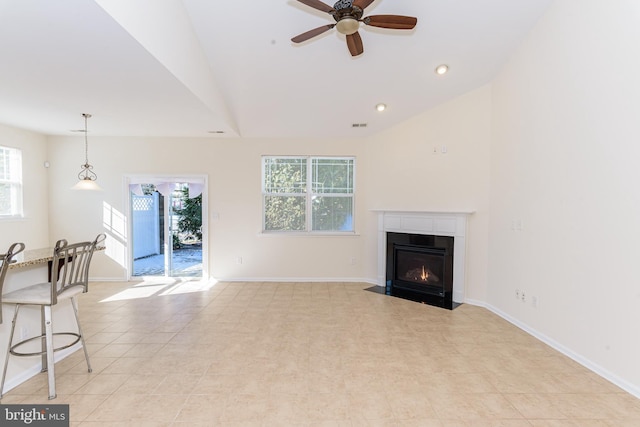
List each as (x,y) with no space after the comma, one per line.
(33,229)
(233,167)
(566,144)
(406,174)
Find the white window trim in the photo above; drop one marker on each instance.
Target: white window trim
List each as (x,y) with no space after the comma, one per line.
(16,182)
(308,196)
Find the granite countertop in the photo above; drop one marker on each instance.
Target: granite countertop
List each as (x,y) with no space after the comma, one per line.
(35,257)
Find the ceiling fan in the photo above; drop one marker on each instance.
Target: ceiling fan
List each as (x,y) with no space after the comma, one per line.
(348,16)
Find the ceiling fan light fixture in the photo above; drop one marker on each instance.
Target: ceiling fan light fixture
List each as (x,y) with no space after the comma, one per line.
(442,69)
(348,26)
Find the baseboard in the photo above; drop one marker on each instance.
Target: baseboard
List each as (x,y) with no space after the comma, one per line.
(594,367)
(477,303)
(107,279)
(298,279)
(261,279)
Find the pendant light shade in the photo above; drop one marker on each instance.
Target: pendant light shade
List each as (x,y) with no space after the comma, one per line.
(86,184)
(87,177)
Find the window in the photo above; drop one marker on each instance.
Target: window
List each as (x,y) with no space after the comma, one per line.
(10,182)
(308,194)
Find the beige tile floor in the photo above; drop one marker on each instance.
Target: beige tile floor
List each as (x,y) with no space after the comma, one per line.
(314,354)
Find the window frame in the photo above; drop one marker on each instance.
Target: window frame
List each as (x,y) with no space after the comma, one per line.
(15,181)
(308,196)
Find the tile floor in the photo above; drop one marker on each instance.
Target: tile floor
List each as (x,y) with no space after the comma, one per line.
(314,354)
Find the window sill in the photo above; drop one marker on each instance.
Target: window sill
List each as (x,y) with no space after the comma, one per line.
(17,218)
(307,234)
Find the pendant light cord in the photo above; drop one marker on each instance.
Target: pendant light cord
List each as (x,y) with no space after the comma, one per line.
(86,139)
(86,172)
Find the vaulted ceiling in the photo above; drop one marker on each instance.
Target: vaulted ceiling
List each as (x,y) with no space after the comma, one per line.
(213,68)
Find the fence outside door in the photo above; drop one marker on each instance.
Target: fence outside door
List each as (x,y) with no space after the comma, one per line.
(146,223)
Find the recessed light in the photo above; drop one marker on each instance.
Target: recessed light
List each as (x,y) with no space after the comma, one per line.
(442,69)
(381,107)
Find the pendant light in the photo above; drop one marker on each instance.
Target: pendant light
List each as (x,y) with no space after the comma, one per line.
(87,177)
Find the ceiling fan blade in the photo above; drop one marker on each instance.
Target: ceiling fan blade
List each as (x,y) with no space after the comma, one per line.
(312,33)
(317,4)
(362,4)
(396,22)
(354,43)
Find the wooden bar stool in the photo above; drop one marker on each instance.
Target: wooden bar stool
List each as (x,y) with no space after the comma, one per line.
(69,277)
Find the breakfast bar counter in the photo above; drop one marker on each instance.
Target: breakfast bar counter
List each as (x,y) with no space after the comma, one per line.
(35,258)
(32,257)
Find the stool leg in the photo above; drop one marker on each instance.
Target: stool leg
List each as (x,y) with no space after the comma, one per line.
(50,363)
(43,340)
(84,346)
(6,359)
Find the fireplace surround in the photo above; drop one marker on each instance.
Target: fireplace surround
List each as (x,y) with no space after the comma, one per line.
(428,230)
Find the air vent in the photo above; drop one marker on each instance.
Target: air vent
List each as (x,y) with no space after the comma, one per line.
(359,125)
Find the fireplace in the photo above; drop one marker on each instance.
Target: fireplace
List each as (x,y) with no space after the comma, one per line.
(420,268)
(426,235)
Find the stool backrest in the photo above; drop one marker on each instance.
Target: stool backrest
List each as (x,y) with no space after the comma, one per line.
(70,266)
(5,260)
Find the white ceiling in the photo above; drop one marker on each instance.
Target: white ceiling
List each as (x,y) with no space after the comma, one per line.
(192,67)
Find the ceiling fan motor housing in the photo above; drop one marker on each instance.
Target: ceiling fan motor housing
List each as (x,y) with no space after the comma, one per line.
(347,16)
(343,4)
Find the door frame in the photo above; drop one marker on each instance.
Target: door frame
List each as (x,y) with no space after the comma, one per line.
(132,179)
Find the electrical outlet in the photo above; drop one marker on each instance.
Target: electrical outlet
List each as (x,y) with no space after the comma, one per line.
(534,301)
(24,333)
(523,296)
(354,261)
(239,260)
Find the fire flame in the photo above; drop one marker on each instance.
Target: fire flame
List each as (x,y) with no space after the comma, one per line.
(425,275)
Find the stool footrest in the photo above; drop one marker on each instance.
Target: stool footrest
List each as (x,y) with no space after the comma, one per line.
(13,350)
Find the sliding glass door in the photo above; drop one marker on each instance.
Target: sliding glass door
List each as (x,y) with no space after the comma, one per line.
(166,228)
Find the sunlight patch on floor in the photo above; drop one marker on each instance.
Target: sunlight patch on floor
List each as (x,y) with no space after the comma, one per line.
(190,286)
(162,286)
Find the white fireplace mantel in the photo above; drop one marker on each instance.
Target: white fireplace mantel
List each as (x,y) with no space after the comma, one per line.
(437,223)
